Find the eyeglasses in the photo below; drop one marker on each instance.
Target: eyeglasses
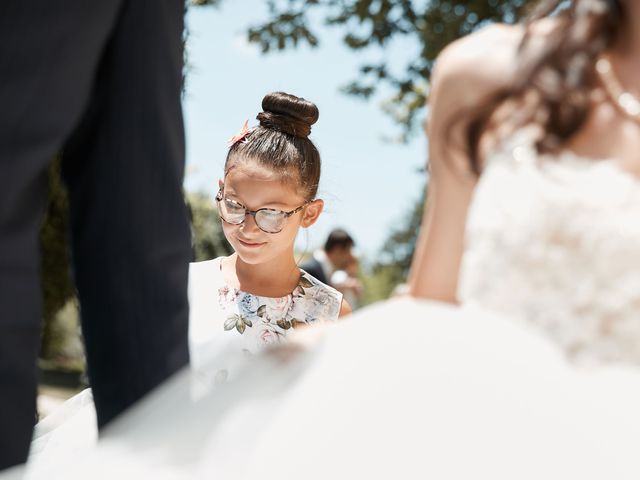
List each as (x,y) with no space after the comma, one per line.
(268,220)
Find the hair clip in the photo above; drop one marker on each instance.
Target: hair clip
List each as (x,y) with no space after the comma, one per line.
(241,135)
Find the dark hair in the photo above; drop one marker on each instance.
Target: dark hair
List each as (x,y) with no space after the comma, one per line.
(338,238)
(552,89)
(281,141)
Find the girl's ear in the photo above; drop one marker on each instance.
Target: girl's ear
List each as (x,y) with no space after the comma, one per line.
(311,213)
(220,183)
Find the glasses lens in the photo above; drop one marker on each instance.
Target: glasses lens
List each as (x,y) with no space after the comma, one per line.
(232,212)
(270,221)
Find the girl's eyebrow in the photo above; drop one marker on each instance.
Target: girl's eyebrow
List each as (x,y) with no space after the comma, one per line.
(233,196)
(273,205)
(230,192)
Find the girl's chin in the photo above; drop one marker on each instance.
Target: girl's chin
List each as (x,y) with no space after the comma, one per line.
(251,259)
(251,255)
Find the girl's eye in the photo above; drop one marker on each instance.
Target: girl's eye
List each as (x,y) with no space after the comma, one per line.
(233,207)
(270,215)
(270,221)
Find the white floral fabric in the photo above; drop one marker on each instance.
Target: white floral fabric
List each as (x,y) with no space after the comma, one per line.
(554,241)
(225,319)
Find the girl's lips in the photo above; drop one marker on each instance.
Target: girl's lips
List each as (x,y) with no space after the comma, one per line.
(250,244)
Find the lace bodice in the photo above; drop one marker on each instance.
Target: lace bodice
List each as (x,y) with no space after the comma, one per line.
(555,241)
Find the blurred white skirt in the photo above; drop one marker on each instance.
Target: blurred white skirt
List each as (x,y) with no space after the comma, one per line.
(403,389)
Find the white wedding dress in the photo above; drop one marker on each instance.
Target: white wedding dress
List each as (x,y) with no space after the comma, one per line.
(411,389)
(553,242)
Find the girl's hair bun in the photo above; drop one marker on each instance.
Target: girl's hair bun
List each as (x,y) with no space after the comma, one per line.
(287,113)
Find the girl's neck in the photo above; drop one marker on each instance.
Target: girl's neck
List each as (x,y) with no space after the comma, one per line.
(277,277)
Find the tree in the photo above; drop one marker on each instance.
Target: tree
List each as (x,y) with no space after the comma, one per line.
(375,24)
(394,260)
(208,239)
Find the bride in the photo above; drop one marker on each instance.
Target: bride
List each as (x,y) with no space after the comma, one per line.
(540,126)
(531,227)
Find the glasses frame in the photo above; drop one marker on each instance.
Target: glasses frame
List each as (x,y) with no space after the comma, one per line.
(220,197)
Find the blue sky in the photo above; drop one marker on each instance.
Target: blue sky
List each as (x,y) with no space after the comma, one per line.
(368,184)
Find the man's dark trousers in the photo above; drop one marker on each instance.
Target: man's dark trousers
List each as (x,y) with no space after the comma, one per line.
(100,82)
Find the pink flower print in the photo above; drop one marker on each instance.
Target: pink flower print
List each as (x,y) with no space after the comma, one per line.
(268,336)
(277,308)
(226,296)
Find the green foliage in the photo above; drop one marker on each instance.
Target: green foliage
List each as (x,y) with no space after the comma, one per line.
(375,24)
(394,260)
(379,284)
(399,246)
(207,237)
(55,263)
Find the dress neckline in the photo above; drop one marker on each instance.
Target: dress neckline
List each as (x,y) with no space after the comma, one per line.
(521,148)
(304,282)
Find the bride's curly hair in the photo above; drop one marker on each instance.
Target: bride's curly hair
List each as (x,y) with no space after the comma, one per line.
(553,85)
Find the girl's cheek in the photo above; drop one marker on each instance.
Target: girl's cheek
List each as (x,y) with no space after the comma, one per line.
(227,230)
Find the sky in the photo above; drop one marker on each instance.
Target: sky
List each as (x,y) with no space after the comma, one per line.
(368,183)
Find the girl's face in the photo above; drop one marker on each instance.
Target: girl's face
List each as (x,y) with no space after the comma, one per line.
(255,187)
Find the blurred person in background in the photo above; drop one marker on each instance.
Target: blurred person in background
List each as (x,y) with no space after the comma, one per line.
(346,280)
(335,255)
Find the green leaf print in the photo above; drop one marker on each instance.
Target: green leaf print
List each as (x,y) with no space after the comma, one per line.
(284,324)
(240,326)
(231,322)
(237,322)
(305,282)
(262,310)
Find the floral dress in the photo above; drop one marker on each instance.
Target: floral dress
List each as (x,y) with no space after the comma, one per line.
(229,323)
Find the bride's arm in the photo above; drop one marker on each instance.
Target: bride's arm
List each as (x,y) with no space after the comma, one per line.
(466,73)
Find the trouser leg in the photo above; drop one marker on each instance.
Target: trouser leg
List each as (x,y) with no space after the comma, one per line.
(131,241)
(48,54)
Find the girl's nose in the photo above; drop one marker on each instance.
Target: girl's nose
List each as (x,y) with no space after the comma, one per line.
(249,224)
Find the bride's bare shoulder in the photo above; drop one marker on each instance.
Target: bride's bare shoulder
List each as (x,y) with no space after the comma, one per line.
(479,64)
(476,65)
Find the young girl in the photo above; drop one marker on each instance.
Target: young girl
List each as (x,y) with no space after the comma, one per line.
(253,298)
(258,295)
